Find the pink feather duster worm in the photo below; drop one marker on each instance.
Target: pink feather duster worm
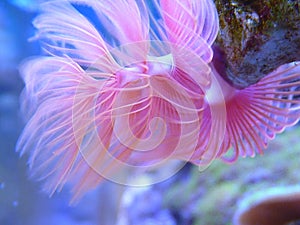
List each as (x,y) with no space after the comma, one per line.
(141,93)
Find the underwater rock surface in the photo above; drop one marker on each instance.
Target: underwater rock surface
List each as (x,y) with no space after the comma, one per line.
(256,37)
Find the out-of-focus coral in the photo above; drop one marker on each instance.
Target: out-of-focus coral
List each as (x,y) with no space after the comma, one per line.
(257,36)
(213,197)
(274,206)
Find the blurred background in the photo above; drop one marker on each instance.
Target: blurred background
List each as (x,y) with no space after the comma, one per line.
(208,198)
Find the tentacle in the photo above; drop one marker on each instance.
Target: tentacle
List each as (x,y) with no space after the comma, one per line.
(259,112)
(191,24)
(126,21)
(65,31)
(51,84)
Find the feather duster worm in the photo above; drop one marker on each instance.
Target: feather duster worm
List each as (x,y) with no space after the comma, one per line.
(141,93)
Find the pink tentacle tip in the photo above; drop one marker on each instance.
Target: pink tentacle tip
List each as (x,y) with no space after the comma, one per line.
(138,92)
(257,113)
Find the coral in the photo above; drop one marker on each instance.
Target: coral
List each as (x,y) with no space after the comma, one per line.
(274,206)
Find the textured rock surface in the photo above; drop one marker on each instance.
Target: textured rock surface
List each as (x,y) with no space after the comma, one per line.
(257,37)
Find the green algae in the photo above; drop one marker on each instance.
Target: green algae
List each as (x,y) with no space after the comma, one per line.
(223,196)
